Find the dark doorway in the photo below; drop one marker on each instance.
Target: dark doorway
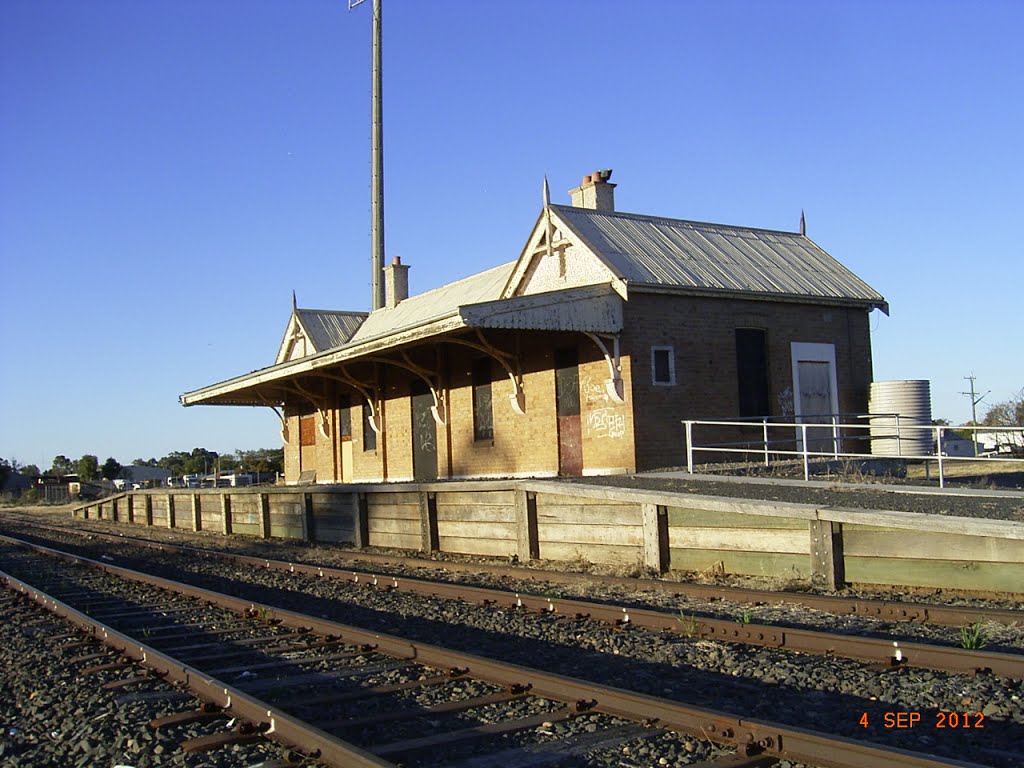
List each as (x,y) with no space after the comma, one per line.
(752,371)
(567,406)
(424,433)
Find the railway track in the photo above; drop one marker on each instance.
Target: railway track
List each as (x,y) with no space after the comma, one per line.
(953,615)
(884,651)
(348,696)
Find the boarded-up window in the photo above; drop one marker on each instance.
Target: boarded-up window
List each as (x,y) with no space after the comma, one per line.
(663,366)
(369,436)
(752,371)
(345,417)
(483,414)
(307,430)
(567,382)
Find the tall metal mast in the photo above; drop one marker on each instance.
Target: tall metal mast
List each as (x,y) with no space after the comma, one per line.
(377,163)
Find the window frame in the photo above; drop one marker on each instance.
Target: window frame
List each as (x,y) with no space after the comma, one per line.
(482,379)
(369,435)
(669,350)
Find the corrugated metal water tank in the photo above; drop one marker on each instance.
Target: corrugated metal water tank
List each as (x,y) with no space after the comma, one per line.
(911,401)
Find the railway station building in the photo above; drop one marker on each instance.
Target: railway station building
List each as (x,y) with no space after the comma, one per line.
(581,356)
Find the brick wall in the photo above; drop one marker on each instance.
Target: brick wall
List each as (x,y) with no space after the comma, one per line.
(702,334)
(522,444)
(644,432)
(291,448)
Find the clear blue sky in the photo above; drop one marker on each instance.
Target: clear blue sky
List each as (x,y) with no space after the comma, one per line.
(170,170)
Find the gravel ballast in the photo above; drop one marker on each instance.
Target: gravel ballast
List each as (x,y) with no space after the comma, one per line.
(831,695)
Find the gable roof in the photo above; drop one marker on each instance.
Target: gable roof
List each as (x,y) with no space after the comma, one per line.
(674,253)
(321,329)
(329,328)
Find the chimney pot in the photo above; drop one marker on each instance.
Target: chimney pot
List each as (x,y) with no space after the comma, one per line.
(596,192)
(396,260)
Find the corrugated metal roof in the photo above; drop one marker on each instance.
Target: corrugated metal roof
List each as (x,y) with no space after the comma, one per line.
(593,308)
(651,250)
(329,328)
(424,307)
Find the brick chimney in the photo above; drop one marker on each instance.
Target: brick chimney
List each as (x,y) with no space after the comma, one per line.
(396,283)
(595,192)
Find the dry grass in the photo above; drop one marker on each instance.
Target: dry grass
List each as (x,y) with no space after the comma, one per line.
(960,468)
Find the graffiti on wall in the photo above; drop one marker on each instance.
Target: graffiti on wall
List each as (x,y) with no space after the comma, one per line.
(593,391)
(785,401)
(605,422)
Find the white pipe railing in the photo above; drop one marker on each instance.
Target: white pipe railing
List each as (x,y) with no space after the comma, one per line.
(837,429)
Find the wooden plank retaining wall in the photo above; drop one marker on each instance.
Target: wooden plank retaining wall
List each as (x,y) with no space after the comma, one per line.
(637,530)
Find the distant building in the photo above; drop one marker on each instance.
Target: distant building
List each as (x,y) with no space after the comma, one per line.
(582,356)
(1008,442)
(137,474)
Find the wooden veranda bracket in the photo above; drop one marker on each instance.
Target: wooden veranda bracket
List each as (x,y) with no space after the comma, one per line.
(368,393)
(284,421)
(518,397)
(321,411)
(614,386)
(430,378)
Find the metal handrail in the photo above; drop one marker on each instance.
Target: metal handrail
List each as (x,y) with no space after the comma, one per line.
(837,428)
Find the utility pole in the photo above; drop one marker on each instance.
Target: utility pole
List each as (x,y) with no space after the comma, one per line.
(975,398)
(376,163)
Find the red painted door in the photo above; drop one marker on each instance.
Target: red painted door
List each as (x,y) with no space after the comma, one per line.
(567,406)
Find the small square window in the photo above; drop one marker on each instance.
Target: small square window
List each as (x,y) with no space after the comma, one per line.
(663,366)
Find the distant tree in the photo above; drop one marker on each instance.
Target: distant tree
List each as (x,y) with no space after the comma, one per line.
(62,465)
(1009,413)
(110,469)
(30,470)
(175,462)
(145,463)
(201,461)
(5,471)
(950,433)
(261,460)
(88,467)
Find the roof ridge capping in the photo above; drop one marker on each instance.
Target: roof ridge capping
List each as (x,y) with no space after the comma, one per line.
(690,222)
(362,312)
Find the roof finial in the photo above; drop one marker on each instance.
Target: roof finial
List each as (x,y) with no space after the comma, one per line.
(549,230)
(295,303)
(803,223)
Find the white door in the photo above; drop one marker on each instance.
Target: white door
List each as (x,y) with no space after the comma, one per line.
(815,394)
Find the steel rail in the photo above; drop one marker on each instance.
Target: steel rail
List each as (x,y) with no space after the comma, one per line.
(748,736)
(273,724)
(872,649)
(890,610)
(884,651)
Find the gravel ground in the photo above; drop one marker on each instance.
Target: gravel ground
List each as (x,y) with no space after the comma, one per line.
(50,716)
(821,693)
(958,502)
(586,740)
